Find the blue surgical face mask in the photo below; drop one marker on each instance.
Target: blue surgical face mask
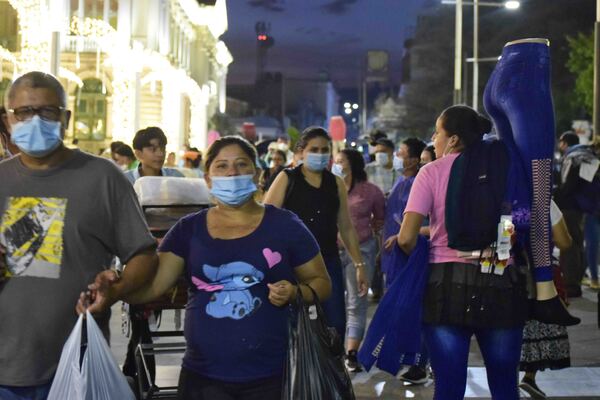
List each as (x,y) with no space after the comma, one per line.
(317,162)
(338,169)
(36,137)
(233,190)
(381,159)
(398,163)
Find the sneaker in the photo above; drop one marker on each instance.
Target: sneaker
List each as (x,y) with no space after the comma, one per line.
(351,362)
(594,285)
(530,387)
(415,375)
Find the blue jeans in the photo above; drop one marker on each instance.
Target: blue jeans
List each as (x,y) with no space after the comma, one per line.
(591,234)
(449,353)
(518,99)
(334,306)
(25,393)
(356,307)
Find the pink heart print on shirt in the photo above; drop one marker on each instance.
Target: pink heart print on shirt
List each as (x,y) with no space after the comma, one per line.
(201,285)
(273,257)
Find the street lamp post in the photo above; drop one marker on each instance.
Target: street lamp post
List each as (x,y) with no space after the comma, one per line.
(511,5)
(596,110)
(457,51)
(475,54)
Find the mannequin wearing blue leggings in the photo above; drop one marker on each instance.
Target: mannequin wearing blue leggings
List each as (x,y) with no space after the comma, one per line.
(449,353)
(518,99)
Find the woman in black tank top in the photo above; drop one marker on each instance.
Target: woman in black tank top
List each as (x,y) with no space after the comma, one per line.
(319,198)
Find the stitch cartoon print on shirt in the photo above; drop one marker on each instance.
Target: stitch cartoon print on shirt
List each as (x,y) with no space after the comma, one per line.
(31,232)
(230,283)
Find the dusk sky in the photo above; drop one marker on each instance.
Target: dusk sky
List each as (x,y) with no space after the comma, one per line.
(318,35)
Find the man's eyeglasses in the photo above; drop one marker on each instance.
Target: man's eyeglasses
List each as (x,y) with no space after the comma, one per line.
(47,113)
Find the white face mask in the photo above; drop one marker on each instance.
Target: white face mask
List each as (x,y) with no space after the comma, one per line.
(382,159)
(398,163)
(338,169)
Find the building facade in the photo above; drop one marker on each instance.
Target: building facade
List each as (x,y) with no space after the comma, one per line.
(126,64)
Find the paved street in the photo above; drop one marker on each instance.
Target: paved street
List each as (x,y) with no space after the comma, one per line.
(582,381)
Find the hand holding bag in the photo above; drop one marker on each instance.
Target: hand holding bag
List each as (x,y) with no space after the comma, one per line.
(96,377)
(315,365)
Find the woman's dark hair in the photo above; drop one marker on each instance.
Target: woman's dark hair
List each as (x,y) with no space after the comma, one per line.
(225,141)
(310,133)
(282,154)
(3,128)
(115,145)
(357,166)
(431,151)
(466,123)
(125,151)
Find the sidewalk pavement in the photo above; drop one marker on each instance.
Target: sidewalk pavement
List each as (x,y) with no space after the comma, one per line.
(581,381)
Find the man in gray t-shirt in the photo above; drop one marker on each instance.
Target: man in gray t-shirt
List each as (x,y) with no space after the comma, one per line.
(63,215)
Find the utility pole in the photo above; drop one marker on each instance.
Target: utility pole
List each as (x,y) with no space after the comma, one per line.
(596,116)
(458,52)
(476,54)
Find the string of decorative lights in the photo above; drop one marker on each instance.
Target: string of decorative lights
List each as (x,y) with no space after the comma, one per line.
(127,61)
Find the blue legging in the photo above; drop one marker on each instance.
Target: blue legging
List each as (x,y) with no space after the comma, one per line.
(518,99)
(449,354)
(592,242)
(335,305)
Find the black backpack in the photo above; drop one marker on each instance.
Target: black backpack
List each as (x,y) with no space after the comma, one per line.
(475,196)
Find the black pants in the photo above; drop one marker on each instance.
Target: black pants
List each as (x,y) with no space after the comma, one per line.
(196,387)
(572,260)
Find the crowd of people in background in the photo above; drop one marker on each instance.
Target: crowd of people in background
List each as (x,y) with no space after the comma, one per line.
(329,222)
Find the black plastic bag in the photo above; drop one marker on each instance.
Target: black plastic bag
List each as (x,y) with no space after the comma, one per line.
(315,366)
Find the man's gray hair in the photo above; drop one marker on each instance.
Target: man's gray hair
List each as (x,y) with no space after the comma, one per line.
(37,80)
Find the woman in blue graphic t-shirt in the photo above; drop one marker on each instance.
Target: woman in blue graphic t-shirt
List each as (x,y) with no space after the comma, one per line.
(243,261)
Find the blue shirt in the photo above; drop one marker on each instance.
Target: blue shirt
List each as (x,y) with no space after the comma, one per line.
(233,332)
(394,212)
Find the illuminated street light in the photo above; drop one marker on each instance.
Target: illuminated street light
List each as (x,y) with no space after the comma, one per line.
(348,111)
(355,106)
(346,105)
(510,5)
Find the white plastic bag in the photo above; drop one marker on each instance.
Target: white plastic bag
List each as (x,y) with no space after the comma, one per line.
(98,378)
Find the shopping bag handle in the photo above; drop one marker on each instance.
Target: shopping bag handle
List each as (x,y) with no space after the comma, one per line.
(314,293)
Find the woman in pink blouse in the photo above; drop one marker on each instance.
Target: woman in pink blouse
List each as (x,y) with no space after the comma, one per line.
(460,299)
(366,205)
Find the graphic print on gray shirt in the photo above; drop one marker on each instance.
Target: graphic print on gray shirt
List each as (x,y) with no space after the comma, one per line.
(60,227)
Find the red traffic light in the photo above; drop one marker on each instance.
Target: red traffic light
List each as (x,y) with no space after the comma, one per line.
(262,38)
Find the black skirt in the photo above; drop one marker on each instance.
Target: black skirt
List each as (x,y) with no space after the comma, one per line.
(459,294)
